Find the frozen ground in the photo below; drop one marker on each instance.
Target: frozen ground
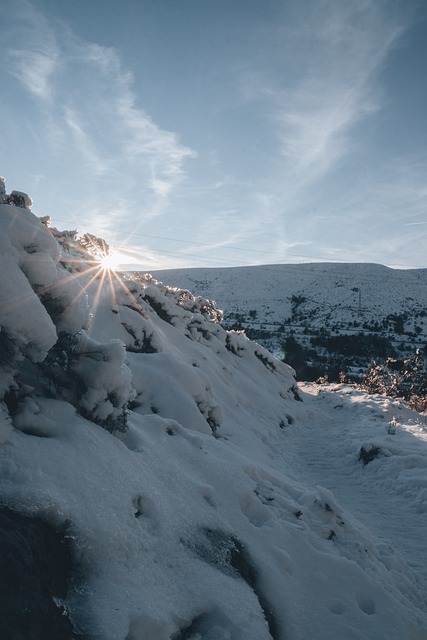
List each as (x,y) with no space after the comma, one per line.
(388,495)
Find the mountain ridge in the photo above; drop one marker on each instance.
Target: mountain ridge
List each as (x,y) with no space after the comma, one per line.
(304,300)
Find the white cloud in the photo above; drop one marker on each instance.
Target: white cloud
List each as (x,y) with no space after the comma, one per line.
(32,54)
(340,49)
(34,69)
(90,117)
(83,143)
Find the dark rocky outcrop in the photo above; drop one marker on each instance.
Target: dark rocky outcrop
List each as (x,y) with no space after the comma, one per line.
(35,563)
(367,454)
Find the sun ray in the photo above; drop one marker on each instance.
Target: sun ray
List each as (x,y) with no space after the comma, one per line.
(91,266)
(129,293)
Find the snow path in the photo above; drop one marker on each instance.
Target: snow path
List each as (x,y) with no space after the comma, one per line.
(325,452)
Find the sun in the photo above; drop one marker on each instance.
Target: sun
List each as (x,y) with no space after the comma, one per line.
(111,261)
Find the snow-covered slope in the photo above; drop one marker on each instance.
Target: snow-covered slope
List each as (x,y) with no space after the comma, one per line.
(333,291)
(200,488)
(274,301)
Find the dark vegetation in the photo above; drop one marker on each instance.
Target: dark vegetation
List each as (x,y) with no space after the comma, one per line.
(380,355)
(406,379)
(360,344)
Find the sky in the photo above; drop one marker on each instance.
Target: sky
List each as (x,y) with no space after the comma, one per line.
(194,133)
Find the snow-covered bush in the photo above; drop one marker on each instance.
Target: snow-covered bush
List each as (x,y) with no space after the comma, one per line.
(43,313)
(57,365)
(164,300)
(405,379)
(93,377)
(104,383)
(26,329)
(16,198)
(20,199)
(2,190)
(94,245)
(236,342)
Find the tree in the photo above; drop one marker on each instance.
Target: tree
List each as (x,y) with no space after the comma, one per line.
(295,356)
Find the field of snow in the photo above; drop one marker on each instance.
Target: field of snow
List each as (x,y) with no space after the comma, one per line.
(338,292)
(206,496)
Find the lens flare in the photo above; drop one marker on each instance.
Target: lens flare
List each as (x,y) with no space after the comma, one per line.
(111,261)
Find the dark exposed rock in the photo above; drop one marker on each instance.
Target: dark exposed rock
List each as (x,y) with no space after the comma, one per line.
(35,563)
(366,455)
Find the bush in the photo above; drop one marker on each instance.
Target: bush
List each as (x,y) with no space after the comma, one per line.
(405,379)
(93,377)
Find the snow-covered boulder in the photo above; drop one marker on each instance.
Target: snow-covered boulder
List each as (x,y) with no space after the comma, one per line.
(20,199)
(2,190)
(16,198)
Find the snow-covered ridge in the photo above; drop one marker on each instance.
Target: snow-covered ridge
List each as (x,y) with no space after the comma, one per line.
(275,301)
(340,292)
(181,459)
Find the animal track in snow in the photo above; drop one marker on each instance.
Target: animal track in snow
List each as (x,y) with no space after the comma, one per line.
(145,512)
(366,603)
(336,606)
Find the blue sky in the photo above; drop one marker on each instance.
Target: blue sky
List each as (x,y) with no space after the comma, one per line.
(226,132)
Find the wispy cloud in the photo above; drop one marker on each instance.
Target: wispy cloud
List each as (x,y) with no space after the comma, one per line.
(379,221)
(32,56)
(141,154)
(326,85)
(144,140)
(340,48)
(91,117)
(34,69)
(397,196)
(82,141)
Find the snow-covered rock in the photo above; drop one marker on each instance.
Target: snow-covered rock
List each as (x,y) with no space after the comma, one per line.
(16,198)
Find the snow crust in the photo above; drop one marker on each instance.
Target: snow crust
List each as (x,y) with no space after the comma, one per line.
(228,509)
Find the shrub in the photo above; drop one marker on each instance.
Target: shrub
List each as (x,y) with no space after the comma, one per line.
(405,379)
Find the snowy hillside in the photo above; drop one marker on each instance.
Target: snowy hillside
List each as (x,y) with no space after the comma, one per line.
(308,300)
(336,292)
(201,494)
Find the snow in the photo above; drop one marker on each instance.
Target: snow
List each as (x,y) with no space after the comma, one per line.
(398,472)
(332,292)
(228,509)
(304,299)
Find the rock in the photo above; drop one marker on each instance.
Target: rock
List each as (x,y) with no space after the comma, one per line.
(35,562)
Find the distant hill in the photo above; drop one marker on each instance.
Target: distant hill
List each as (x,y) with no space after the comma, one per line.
(376,311)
